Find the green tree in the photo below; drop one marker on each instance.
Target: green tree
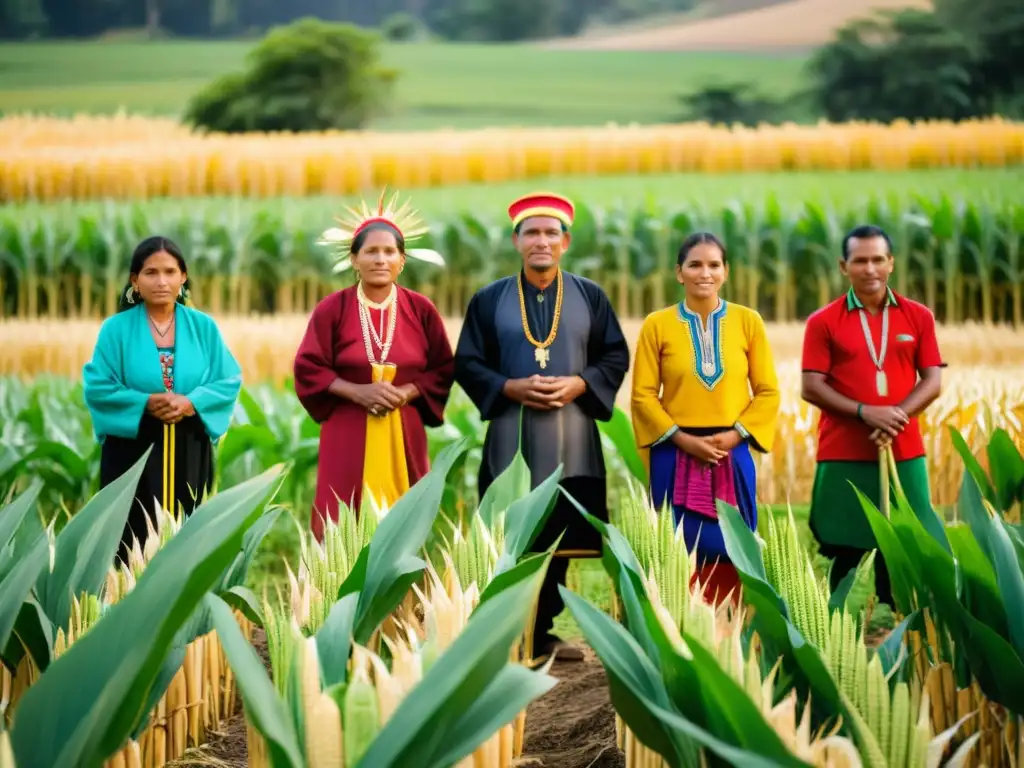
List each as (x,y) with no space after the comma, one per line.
(307,76)
(903,64)
(995,29)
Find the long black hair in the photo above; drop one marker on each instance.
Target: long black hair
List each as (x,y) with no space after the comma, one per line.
(148,247)
(699,238)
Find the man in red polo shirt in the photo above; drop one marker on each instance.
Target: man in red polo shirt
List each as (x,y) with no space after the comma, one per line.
(871,363)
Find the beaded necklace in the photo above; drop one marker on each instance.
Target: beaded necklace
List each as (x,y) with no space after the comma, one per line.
(370,334)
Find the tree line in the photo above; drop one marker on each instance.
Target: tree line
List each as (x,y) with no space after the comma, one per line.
(481,20)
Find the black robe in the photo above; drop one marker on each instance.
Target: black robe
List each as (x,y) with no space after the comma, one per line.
(493,348)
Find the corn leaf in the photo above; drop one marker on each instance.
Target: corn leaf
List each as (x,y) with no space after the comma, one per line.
(1007,467)
(391,563)
(418,733)
(513,483)
(973,467)
(87,702)
(525,519)
(620,431)
(637,687)
(264,708)
(975,616)
(772,618)
(509,693)
(12,518)
(15,587)
(87,546)
(334,640)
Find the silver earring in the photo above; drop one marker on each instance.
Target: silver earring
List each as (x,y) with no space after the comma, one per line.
(130,295)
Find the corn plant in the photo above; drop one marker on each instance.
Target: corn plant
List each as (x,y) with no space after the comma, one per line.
(967,584)
(89,701)
(960,256)
(78,587)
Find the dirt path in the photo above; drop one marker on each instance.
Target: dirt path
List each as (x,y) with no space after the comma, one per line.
(573,726)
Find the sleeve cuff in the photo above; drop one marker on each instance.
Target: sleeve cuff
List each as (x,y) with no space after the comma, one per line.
(667,436)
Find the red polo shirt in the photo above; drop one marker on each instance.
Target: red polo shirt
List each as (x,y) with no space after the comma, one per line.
(834,344)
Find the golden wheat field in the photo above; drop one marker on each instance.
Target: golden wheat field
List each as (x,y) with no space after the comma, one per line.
(132,158)
(983,388)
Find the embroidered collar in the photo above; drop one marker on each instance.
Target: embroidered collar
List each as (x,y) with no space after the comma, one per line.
(708,363)
(852,302)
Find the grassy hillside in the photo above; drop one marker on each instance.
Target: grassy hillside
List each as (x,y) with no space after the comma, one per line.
(459,86)
(794,24)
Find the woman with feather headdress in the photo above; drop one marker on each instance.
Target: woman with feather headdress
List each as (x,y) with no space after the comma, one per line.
(374,367)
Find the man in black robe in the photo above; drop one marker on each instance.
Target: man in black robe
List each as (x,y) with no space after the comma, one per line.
(545,346)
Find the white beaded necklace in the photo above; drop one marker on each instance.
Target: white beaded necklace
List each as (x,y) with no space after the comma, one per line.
(370,334)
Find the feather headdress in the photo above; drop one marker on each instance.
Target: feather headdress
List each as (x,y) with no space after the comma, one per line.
(403,219)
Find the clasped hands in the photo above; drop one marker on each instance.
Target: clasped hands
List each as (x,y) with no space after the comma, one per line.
(545,393)
(886,421)
(710,449)
(169,407)
(383,396)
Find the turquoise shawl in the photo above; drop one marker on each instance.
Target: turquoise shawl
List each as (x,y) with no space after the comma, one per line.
(125,371)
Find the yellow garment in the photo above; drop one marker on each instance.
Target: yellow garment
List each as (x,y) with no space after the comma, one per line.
(670,391)
(385,474)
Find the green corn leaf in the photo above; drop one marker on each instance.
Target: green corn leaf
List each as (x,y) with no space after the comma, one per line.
(1007,467)
(15,587)
(513,483)
(264,708)
(391,563)
(334,640)
(86,548)
(525,519)
(12,518)
(89,700)
(620,431)
(509,693)
(418,733)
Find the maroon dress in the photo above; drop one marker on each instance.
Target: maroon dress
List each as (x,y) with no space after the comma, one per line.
(333,348)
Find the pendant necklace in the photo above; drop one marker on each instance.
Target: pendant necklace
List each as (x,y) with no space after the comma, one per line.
(541,353)
(156,327)
(878,358)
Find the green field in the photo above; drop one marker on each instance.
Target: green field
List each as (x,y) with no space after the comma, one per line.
(707,191)
(441,85)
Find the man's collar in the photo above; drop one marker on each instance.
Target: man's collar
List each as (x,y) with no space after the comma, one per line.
(852,302)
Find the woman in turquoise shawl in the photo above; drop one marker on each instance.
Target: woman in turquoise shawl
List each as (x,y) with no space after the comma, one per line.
(160,377)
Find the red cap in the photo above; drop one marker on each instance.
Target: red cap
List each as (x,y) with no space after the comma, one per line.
(542,204)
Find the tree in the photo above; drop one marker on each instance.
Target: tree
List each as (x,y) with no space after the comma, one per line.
(307,76)
(903,64)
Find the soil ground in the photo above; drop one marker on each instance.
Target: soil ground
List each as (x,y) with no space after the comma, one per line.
(573,726)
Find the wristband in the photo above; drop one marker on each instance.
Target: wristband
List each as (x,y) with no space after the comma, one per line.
(860,408)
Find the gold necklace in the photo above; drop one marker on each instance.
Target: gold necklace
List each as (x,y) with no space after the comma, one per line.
(541,354)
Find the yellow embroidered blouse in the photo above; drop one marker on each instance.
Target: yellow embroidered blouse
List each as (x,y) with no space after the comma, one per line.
(688,374)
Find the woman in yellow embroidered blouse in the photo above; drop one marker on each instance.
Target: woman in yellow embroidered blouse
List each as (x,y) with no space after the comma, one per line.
(704,393)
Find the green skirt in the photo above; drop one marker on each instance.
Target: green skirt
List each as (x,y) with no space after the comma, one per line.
(837,517)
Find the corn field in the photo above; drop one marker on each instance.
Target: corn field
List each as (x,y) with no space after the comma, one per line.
(403,637)
(128,158)
(47,431)
(964,259)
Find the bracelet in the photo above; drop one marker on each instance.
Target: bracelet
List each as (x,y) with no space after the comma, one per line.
(860,408)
